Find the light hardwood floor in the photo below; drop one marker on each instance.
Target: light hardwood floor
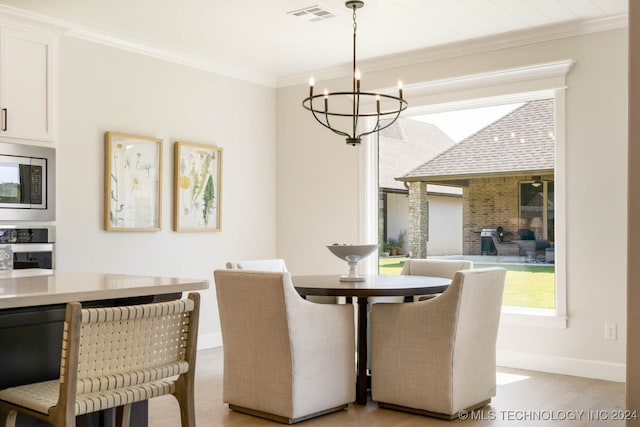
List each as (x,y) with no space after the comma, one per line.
(522,396)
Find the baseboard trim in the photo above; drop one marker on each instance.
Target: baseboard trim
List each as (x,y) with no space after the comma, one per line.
(595,369)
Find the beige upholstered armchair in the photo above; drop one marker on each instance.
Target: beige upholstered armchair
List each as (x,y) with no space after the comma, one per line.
(259,265)
(434,267)
(438,357)
(285,358)
(275,265)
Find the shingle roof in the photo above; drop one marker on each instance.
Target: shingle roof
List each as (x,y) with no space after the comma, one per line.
(404,146)
(521,141)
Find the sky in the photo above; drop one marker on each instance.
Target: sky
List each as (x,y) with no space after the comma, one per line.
(460,124)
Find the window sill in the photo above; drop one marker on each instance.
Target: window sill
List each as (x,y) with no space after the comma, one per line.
(541,318)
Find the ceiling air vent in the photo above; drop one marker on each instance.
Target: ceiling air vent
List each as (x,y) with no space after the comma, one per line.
(312,13)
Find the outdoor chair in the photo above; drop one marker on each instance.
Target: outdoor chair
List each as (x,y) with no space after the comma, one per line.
(113,357)
(508,249)
(285,359)
(529,246)
(438,357)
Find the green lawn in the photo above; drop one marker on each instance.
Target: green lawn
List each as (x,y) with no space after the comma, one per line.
(531,286)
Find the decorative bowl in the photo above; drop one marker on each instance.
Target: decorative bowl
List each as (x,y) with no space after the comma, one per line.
(353,254)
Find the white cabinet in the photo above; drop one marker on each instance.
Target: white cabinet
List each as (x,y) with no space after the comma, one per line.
(26,84)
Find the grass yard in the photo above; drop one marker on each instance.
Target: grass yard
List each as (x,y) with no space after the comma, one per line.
(531,286)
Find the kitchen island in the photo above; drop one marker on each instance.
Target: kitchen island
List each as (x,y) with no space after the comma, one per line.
(32,308)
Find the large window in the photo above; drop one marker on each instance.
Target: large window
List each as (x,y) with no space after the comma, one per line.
(536,284)
(493,168)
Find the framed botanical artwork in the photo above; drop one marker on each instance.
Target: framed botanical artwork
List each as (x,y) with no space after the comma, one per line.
(197,187)
(133,182)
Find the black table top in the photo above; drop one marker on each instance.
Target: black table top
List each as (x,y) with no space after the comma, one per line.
(374,285)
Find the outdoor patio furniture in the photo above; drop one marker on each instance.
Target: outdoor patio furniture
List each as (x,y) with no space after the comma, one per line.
(528,244)
(511,249)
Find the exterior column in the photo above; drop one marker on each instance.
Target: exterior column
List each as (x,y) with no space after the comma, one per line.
(418,219)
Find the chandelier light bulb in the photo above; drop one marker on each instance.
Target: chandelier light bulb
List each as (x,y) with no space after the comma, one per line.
(311,83)
(326,101)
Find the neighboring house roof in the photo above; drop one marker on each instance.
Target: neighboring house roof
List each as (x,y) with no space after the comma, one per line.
(404,146)
(523,141)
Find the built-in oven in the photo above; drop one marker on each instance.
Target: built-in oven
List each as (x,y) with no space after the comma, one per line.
(32,247)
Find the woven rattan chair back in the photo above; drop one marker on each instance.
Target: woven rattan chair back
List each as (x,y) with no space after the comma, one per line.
(113,357)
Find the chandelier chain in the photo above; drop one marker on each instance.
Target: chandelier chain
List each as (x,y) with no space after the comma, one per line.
(355,24)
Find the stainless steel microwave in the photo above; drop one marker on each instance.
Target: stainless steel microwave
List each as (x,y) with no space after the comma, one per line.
(27,182)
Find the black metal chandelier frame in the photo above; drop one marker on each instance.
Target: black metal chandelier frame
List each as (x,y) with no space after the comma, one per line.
(323,115)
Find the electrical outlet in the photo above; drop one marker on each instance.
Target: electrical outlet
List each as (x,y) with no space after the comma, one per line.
(610,331)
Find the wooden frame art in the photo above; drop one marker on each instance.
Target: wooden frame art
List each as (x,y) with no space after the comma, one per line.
(133,182)
(197,187)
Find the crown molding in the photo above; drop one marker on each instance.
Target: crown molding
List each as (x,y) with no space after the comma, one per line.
(29,21)
(468,47)
(203,64)
(38,22)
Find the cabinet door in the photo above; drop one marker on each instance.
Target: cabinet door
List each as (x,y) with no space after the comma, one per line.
(26,84)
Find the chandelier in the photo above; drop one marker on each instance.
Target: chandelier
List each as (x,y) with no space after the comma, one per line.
(323,114)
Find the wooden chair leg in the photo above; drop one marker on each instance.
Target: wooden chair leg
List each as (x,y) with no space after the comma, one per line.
(7,417)
(123,415)
(186,400)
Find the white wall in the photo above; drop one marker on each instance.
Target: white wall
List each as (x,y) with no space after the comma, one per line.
(318,200)
(445,225)
(397,215)
(105,89)
(445,222)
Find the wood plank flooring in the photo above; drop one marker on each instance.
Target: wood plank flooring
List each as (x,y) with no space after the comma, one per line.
(523,398)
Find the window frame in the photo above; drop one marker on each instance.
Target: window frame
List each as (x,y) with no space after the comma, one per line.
(493,88)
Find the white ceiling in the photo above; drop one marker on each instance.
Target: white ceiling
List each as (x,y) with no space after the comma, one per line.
(260,38)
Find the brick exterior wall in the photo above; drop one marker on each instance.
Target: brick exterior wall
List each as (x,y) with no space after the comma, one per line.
(487,203)
(490,203)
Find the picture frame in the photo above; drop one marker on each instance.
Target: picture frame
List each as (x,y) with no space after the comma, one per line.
(197,187)
(133,182)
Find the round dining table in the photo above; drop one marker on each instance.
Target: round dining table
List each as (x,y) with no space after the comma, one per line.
(375,285)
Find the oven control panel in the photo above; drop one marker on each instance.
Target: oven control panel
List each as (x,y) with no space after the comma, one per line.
(32,247)
(24,235)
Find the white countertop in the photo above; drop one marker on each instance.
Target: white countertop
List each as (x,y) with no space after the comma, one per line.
(36,287)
